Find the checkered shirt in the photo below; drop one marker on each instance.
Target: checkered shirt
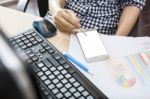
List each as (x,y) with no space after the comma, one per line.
(102,15)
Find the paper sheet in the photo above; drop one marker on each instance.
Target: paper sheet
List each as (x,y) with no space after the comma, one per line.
(117,47)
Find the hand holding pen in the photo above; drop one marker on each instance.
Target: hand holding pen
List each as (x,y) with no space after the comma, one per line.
(66,20)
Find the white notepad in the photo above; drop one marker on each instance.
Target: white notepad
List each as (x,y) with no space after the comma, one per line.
(92,46)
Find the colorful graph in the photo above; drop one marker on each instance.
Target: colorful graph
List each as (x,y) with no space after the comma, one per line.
(140,64)
(127,71)
(125,79)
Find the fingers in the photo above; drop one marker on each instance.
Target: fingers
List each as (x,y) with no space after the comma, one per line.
(71,17)
(66,20)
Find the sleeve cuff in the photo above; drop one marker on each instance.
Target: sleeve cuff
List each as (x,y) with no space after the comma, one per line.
(138,3)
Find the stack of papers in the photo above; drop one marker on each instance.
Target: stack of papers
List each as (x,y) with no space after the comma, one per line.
(92,46)
(116,77)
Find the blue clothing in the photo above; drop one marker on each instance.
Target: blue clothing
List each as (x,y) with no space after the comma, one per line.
(102,15)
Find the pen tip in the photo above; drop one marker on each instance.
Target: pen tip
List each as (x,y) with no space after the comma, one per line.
(91,73)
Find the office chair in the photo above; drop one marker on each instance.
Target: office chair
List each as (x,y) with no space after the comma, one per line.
(42,6)
(22,5)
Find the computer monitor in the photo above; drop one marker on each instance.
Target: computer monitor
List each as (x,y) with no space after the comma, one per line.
(15,82)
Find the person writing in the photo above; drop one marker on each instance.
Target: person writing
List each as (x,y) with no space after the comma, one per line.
(107,16)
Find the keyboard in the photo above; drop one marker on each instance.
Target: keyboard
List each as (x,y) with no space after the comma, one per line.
(55,76)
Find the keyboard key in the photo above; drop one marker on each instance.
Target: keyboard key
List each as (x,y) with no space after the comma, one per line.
(47,63)
(56,56)
(55,90)
(68,85)
(64,72)
(26,41)
(68,76)
(43,77)
(72,90)
(51,86)
(66,66)
(55,81)
(31,55)
(81,97)
(81,88)
(18,40)
(24,47)
(29,32)
(59,95)
(35,68)
(42,50)
(47,72)
(61,61)
(85,93)
(20,43)
(49,97)
(72,80)
(51,76)
(40,73)
(40,64)
(44,44)
(47,82)
(72,97)
(34,58)
(34,42)
(23,38)
(13,42)
(28,36)
(41,87)
(59,85)
(60,68)
(51,51)
(31,39)
(44,69)
(53,69)
(64,81)
(45,92)
(38,39)
(67,94)
(76,84)
(90,97)
(71,70)
(29,44)
(53,61)
(28,51)
(47,47)
(56,73)
(63,90)
(33,34)
(77,94)
(28,60)
(60,76)
(19,36)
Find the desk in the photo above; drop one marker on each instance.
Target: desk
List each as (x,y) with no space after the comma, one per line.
(15,22)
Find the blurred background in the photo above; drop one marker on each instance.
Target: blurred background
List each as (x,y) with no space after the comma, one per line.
(32,7)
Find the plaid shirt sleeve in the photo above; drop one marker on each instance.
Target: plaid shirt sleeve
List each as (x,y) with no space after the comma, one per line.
(138,3)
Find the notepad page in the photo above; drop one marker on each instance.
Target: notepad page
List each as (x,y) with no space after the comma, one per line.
(92,46)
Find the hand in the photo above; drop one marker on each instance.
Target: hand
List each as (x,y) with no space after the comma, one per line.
(66,20)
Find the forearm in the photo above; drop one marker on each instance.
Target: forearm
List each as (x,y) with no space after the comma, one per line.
(127,21)
(55,5)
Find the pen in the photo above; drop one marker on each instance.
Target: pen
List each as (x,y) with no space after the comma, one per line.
(80,28)
(72,59)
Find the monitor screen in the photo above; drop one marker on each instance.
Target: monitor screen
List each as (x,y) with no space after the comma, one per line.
(15,82)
